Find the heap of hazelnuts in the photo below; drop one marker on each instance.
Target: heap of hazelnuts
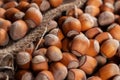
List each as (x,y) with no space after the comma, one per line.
(83,44)
(19,17)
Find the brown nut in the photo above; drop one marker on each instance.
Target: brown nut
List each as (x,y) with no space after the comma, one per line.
(91,33)
(80,44)
(1,3)
(41,51)
(24,75)
(87,21)
(52,40)
(2,12)
(109,47)
(33,17)
(54,53)
(18,29)
(23,6)
(70,60)
(10,4)
(71,27)
(107,7)
(106,18)
(44,75)
(39,63)
(59,71)
(103,36)
(76,74)
(38,2)
(4,38)
(62,20)
(96,3)
(117,6)
(92,10)
(23,60)
(44,6)
(88,64)
(101,60)
(57,32)
(5,24)
(94,78)
(55,3)
(116,77)
(109,1)
(14,14)
(75,12)
(114,31)
(111,69)
(51,25)
(93,49)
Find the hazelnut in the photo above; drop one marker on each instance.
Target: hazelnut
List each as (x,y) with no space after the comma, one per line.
(44,75)
(10,4)
(5,24)
(103,36)
(71,27)
(23,6)
(51,25)
(117,6)
(44,6)
(87,21)
(116,77)
(39,63)
(96,3)
(93,49)
(33,5)
(38,2)
(14,14)
(57,32)
(80,44)
(52,40)
(94,78)
(76,74)
(109,1)
(69,60)
(75,12)
(88,64)
(114,31)
(62,20)
(107,7)
(106,18)
(4,38)
(111,69)
(59,71)
(55,3)
(18,29)
(2,12)
(54,53)
(33,17)
(23,60)
(24,75)
(1,3)
(109,47)
(41,51)
(92,10)
(91,33)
